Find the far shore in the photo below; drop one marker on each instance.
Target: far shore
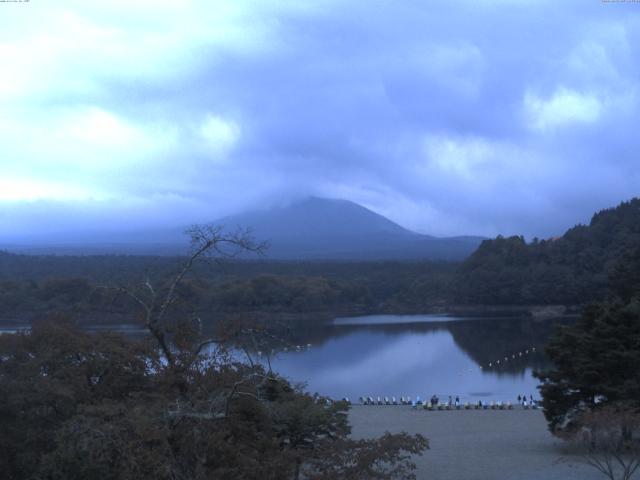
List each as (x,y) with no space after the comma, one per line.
(477,444)
(116,318)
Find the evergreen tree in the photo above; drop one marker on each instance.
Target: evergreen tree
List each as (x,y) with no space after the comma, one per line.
(596,363)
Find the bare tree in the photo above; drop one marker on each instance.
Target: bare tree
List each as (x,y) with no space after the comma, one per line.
(209,241)
(311,430)
(607,441)
(181,414)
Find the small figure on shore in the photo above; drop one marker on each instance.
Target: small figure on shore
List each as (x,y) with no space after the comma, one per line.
(450,400)
(457,401)
(519,399)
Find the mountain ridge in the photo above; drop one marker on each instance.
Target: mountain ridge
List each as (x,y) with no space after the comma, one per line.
(311,229)
(571,269)
(320,228)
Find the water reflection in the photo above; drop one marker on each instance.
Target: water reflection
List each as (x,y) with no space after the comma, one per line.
(419,355)
(10,330)
(392,355)
(394,319)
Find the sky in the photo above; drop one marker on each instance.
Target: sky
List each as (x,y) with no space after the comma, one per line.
(449,117)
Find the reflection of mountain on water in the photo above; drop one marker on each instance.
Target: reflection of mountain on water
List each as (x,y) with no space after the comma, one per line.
(484,340)
(320,334)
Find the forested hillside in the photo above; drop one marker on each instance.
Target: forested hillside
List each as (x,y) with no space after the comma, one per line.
(33,286)
(572,269)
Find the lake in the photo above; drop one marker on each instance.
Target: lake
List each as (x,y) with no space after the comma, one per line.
(392,355)
(410,355)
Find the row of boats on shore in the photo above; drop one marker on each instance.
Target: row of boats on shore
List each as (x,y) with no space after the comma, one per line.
(457,405)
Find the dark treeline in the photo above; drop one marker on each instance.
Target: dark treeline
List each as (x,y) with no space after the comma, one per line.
(569,270)
(591,389)
(37,285)
(122,268)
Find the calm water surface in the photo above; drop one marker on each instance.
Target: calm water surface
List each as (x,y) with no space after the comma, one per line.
(400,355)
(390,355)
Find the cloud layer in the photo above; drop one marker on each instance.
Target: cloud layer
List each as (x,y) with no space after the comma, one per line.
(459,117)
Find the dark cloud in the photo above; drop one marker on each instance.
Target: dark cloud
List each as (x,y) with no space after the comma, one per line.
(463,117)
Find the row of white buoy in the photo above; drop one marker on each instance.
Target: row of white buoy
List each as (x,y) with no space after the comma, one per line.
(297,348)
(294,348)
(512,357)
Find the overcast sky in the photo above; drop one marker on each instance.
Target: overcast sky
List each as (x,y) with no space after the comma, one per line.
(449,117)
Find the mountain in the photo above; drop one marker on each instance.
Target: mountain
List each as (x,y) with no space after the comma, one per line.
(585,264)
(318,228)
(314,228)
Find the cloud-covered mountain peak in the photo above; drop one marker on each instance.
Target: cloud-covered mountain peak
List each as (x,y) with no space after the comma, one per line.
(341,229)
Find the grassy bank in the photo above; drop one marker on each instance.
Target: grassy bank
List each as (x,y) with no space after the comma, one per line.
(477,445)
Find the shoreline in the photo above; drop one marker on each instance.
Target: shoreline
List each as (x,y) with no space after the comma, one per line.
(101,317)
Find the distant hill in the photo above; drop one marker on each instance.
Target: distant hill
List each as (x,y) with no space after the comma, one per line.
(571,269)
(318,228)
(312,229)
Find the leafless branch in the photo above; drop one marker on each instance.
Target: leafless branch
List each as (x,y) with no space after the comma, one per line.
(607,441)
(205,240)
(204,343)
